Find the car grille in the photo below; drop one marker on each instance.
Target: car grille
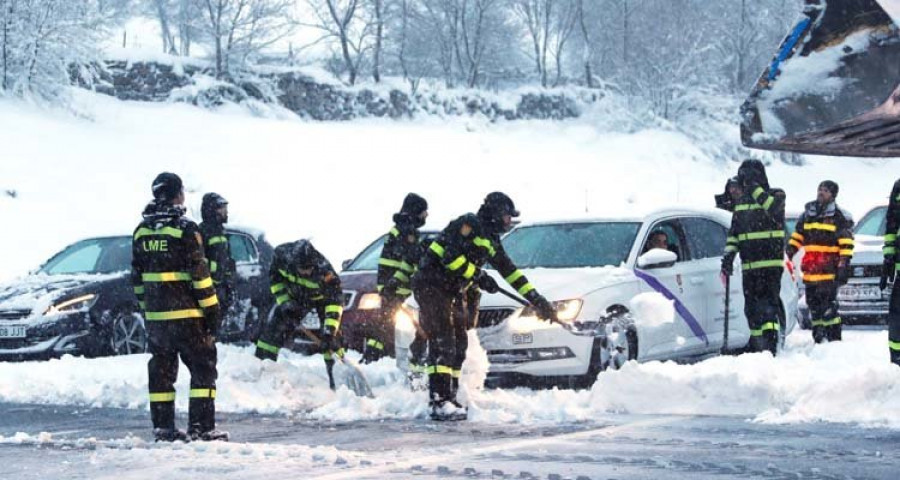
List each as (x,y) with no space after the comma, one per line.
(866,271)
(14,314)
(493,316)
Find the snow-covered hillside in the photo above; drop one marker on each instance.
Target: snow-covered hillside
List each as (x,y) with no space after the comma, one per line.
(338,183)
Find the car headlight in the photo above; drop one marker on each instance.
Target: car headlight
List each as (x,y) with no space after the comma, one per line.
(369,301)
(84,302)
(566,310)
(405,319)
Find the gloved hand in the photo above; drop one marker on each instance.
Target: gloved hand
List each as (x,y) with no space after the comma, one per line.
(390,287)
(888,271)
(544,308)
(487,283)
(843,273)
(728,264)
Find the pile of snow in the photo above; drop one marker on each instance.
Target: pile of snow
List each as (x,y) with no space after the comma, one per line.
(652,309)
(851,381)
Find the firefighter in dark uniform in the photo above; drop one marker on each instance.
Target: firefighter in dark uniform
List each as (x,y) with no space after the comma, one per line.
(449,272)
(399,259)
(824,231)
(757,233)
(214,211)
(302,280)
(172,283)
(889,269)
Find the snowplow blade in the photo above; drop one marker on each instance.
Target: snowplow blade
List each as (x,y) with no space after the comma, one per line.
(833,87)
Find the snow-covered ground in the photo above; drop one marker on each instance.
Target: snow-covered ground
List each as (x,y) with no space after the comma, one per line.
(339,183)
(851,381)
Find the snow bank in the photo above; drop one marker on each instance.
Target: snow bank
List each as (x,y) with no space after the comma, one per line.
(851,381)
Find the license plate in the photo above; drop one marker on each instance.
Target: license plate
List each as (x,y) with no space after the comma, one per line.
(12,331)
(522,338)
(859,293)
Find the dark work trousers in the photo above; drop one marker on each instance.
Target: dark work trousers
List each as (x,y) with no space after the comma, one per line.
(762,306)
(168,340)
(821,298)
(466,307)
(281,325)
(377,334)
(894,325)
(438,315)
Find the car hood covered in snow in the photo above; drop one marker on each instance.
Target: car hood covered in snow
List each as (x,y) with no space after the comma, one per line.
(867,250)
(562,283)
(35,293)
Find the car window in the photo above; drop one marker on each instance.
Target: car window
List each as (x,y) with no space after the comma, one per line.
(116,255)
(705,237)
(790,224)
(242,248)
(81,257)
(873,223)
(674,235)
(570,245)
(368,259)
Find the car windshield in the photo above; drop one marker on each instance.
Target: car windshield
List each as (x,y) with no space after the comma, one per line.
(873,223)
(94,255)
(790,224)
(368,259)
(570,245)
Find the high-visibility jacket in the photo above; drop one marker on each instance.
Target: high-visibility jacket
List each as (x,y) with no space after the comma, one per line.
(892,228)
(826,236)
(169,272)
(218,253)
(757,229)
(399,259)
(303,275)
(455,258)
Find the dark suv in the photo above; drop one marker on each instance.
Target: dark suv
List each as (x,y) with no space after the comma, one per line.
(81,301)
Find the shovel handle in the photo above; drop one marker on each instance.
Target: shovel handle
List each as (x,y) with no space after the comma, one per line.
(515,297)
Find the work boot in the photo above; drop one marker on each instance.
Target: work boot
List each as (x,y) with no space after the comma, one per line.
(448,411)
(209,435)
(169,435)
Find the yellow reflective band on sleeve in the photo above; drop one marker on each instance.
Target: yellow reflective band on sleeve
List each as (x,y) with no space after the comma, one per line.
(209,301)
(407,267)
(846,253)
(486,244)
(167,231)
(894,345)
(763,264)
(282,298)
(395,232)
(889,250)
(401,276)
(795,243)
(470,271)
(201,284)
(759,191)
(139,290)
(437,249)
(213,267)
(797,236)
(768,203)
(160,397)
(174,314)
(526,288)
(298,280)
(514,276)
(732,240)
(747,206)
(820,226)
(203,393)
(404,291)
(334,309)
(456,264)
(217,240)
(439,370)
(826,323)
(761,235)
(331,322)
(142,304)
(766,326)
(277,288)
(890,238)
(387,262)
(818,277)
(821,249)
(267,347)
(166,277)
(730,248)
(456,373)
(845,241)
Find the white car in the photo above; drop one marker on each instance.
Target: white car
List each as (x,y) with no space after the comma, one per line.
(617,299)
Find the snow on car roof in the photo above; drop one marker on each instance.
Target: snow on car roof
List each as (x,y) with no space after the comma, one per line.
(718,214)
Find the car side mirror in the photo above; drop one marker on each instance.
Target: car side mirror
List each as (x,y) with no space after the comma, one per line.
(346,263)
(657,258)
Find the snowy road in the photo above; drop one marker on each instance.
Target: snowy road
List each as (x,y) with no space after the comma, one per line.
(616,446)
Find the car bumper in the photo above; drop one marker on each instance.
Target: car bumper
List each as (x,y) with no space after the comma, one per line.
(50,338)
(855,307)
(549,353)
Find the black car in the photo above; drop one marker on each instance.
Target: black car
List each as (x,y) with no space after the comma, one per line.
(81,302)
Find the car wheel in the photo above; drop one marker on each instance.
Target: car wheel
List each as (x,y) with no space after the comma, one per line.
(620,344)
(128,333)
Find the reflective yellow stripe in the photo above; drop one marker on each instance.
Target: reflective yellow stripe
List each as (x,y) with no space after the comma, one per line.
(142,304)
(203,393)
(168,231)
(514,276)
(826,323)
(174,314)
(845,241)
(334,309)
(759,191)
(205,283)
(470,271)
(139,290)
(821,249)
(797,236)
(209,301)
(747,206)
(298,280)
(889,250)
(330,355)
(437,248)
(766,326)
(761,235)
(401,276)
(456,264)
(267,347)
(526,288)
(407,267)
(375,344)
(846,253)
(438,369)
(332,322)
(762,264)
(387,262)
(456,373)
(820,226)
(216,240)
(403,291)
(768,203)
(817,277)
(213,267)
(159,397)
(166,277)
(486,244)
(795,243)
(282,298)
(894,345)
(730,248)
(277,288)
(890,237)
(395,232)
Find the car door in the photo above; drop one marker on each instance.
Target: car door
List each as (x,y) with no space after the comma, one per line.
(706,240)
(681,282)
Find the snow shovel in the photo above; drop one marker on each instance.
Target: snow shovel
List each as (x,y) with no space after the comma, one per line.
(356,380)
(525,303)
(727,313)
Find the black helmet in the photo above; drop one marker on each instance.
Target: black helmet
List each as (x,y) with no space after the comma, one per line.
(303,252)
(166,186)
(212,202)
(495,206)
(414,205)
(752,169)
